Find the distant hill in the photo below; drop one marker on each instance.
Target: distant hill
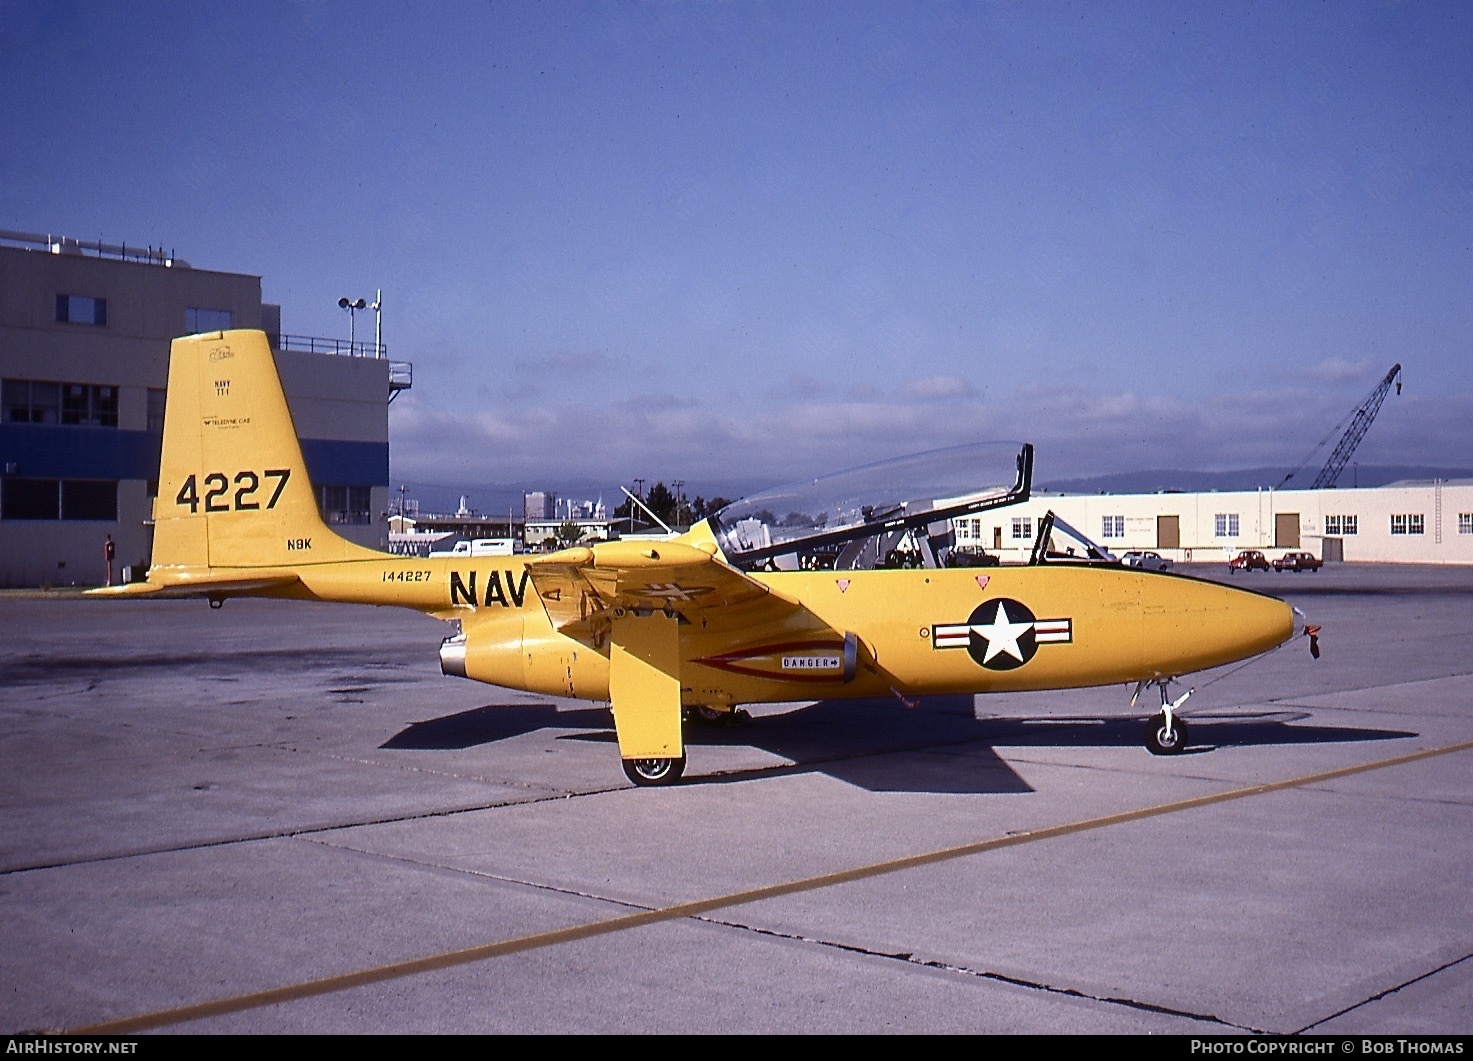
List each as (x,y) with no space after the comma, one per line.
(1150,482)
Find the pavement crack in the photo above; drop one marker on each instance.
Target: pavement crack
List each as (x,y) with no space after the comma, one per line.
(987,974)
(1385,994)
(306,831)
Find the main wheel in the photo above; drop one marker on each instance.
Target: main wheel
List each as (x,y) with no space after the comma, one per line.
(654,771)
(1161,742)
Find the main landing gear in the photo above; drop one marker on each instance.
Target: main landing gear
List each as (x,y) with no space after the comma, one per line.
(703,715)
(669,771)
(654,771)
(1165,734)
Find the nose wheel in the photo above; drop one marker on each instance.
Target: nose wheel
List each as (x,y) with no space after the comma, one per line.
(1165,733)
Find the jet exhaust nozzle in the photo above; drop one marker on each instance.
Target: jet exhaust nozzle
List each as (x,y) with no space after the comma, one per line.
(452,656)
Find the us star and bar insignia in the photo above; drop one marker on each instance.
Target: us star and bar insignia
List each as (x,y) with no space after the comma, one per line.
(1002,634)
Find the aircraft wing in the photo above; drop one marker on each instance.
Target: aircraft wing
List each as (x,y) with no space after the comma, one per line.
(578,584)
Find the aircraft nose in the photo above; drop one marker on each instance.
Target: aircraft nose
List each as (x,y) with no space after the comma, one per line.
(1212,624)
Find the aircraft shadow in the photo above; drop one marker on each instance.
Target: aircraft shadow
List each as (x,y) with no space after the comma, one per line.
(494,722)
(881,746)
(1207,731)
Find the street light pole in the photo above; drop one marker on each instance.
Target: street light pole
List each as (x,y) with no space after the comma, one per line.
(638,492)
(378,323)
(352,307)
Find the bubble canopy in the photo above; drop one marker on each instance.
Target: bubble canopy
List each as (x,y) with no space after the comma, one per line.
(906,492)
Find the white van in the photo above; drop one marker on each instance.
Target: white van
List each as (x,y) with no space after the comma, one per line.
(484,547)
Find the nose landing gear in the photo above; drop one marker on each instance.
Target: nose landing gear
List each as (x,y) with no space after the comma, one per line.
(1165,734)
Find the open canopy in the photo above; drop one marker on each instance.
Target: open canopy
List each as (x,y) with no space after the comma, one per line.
(908,494)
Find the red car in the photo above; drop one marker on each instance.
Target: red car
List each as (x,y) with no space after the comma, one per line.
(1249,560)
(1298,562)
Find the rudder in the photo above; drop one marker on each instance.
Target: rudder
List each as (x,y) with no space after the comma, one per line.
(233,486)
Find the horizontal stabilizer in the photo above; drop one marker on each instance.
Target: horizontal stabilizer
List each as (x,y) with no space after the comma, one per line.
(194,588)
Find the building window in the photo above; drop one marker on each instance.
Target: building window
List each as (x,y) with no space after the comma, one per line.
(1465,522)
(59,499)
(1407,524)
(1227,524)
(81,309)
(89,499)
(1022,528)
(1341,526)
(155,409)
(198,320)
(1112,526)
(30,498)
(29,402)
(89,405)
(80,404)
(345,504)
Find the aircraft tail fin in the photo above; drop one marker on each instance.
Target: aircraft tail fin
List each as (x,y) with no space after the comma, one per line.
(233,487)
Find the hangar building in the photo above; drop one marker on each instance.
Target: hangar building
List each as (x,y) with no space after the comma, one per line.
(84,354)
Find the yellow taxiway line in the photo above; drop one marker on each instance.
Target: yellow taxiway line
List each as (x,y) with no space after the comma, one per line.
(449,959)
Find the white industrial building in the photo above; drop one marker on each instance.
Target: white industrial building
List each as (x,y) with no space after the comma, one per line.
(1427,522)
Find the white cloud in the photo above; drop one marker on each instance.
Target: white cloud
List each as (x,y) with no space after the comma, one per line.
(1343,370)
(754,438)
(569,362)
(939,388)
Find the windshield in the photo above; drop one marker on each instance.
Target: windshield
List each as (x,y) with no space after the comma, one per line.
(1057,540)
(898,497)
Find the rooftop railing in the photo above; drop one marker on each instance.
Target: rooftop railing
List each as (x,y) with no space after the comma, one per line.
(67,245)
(311,344)
(401,373)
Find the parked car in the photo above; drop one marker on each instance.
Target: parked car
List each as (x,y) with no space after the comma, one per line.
(1298,562)
(1249,560)
(1145,560)
(970,556)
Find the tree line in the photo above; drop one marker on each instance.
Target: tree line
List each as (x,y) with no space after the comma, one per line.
(675,511)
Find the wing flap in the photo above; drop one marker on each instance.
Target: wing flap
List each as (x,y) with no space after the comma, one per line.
(579,584)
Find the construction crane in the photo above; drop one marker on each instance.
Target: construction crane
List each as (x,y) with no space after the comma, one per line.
(1360,423)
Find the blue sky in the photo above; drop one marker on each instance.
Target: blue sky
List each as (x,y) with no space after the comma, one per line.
(749,241)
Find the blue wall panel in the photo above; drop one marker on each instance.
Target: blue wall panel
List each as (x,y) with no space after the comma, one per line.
(347,463)
(53,452)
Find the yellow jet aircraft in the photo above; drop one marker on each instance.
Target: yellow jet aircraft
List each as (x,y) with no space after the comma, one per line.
(838,588)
